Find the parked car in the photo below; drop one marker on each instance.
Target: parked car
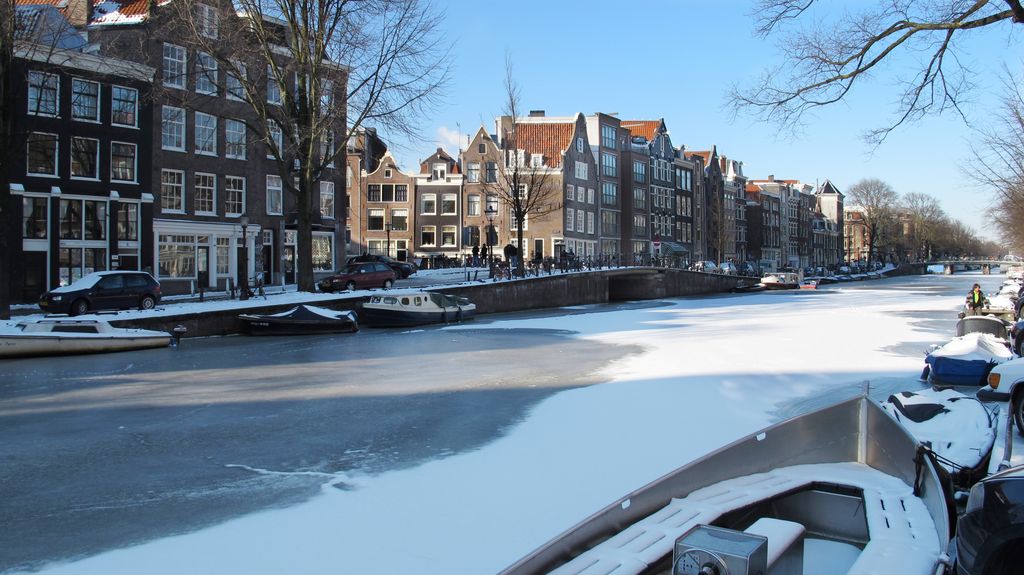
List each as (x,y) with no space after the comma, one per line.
(360,275)
(1008,378)
(103,290)
(990,533)
(704,266)
(402,269)
(727,268)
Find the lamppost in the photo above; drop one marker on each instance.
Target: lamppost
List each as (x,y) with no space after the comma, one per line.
(490,212)
(244,281)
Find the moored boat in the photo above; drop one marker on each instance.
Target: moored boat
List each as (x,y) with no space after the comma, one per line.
(809,284)
(65,336)
(840,490)
(980,345)
(416,308)
(301,320)
(784,280)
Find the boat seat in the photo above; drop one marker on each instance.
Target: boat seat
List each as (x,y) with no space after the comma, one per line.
(902,533)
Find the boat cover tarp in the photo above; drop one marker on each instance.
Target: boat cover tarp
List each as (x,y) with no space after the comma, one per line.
(966,360)
(308,313)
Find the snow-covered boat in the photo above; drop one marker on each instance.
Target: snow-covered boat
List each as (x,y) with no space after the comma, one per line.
(966,359)
(301,320)
(784,280)
(416,308)
(839,490)
(809,284)
(64,336)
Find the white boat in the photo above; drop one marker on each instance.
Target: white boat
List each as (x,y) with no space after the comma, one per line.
(981,343)
(784,280)
(416,308)
(840,490)
(63,336)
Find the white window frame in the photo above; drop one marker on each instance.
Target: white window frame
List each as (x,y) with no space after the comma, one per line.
(423,200)
(273,88)
(56,155)
(179,193)
(207,21)
(96,161)
(449,232)
(229,191)
(229,143)
(579,222)
(207,74)
(135,162)
(211,189)
(275,195)
(474,205)
(423,230)
(454,200)
(275,133)
(234,88)
(570,220)
(174,76)
(327,208)
(95,118)
(38,84)
(205,134)
(135,106)
(165,123)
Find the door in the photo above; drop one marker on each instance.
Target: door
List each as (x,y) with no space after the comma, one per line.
(401,250)
(203,267)
(288,261)
(109,293)
(538,249)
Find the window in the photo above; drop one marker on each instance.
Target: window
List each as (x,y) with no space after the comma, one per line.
(640,198)
(639,172)
(234,139)
(428,235)
(122,161)
(172,191)
(581,170)
(83,219)
(428,204)
(34,218)
(609,223)
(174,66)
(124,104)
(128,222)
(401,193)
(590,222)
(327,149)
(590,195)
(43,90)
(492,204)
(399,220)
(536,160)
(448,236)
(275,195)
(322,254)
(481,148)
(327,199)
(570,192)
(233,83)
(448,204)
(172,129)
(375,220)
(177,256)
(206,134)
(206,74)
(223,256)
(438,171)
(85,100)
(205,193)
(207,20)
(277,137)
(42,154)
(579,221)
(570,219)
(609,194)
(387,173)
(492,172)
(273,88)
(473,175)
(609,165)
(608,136)
(473,205)
(639,226)
(579,144)
(373,193)
(85,158)
(234,195)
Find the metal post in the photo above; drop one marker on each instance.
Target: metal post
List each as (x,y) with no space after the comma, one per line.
(244,283)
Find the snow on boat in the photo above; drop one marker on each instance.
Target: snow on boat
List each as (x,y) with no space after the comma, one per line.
(65,336)
(809,284)
(956,428)
(832,491)
(781,281)
(965,360)
(301,320)
(417,308)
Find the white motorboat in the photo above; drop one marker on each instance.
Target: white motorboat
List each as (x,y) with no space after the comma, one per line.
(63,336)
(783,280)
(840,490)
(416,308)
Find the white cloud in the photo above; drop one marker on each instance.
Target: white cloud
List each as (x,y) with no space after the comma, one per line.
(449,139)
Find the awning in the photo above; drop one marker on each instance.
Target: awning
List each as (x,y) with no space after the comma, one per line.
(670,248)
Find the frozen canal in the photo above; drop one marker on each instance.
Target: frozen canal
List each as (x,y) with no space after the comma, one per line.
(441,450)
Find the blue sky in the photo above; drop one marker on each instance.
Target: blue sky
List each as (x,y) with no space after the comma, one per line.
(676,60)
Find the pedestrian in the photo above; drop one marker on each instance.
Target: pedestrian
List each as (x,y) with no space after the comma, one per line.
(975,300)
(509,251)
(476,256)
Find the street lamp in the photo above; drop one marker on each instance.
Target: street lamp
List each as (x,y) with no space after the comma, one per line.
(244,281)
(490,212)
(388,228)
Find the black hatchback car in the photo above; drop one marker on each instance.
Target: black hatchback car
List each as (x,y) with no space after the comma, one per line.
(990,533)
(402,269)
(103,290)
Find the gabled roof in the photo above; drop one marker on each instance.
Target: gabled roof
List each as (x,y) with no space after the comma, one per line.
(647,128)
(105,12)
(829,188)
(548,138)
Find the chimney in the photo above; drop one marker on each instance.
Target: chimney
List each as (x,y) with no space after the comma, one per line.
(79,12)
(771,177)
(536,113)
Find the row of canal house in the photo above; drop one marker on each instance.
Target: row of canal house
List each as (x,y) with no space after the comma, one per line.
(130,150)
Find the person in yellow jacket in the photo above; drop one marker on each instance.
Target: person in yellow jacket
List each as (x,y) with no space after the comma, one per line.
(975,300)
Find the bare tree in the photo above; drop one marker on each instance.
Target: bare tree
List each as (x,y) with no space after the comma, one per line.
(924,214)
(997,164)
(7,30)
(823,62)
(877,202)
(314,72)
(527,190)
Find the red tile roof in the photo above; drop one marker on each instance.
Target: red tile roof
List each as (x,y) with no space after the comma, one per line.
(548,138)
(706,155)
(645,128)
(104,11)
